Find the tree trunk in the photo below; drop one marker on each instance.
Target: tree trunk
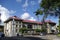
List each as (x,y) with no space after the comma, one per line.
(44,25)
(59,23)
(59,19)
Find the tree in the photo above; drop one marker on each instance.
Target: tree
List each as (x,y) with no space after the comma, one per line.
(42,12)
(51,7)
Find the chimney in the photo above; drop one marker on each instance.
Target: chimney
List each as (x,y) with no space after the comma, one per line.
(0,18)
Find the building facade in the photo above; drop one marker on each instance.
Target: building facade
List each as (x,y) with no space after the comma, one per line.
(14,24)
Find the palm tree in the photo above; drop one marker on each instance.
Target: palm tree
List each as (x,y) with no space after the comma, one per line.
(41,12)
(51,7)
(44,13)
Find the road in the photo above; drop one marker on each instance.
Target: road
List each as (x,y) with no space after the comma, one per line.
(21,38)
(50,37)
(32,37)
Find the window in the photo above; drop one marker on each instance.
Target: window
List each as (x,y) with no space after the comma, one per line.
(16,28)
(24,26)
(19,26)
(19,22)
(30,26)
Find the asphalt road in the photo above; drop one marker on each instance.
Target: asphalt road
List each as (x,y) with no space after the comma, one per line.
(21,38)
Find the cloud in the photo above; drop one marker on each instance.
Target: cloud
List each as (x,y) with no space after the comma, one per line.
(12,12)
(25,5)
(32,18)
(27,16)
(39,1)
(32,3)
(18,0)
(5,13)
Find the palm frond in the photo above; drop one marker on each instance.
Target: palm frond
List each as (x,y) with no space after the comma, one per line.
(39,12)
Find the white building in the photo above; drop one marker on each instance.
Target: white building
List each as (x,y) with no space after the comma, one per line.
(13,24)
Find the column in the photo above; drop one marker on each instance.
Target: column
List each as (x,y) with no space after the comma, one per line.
(18,27)
(48,28)
(26,26)
(33,26)
(21,24)
(13,28)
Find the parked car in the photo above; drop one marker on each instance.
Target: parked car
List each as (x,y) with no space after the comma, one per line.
(2,34)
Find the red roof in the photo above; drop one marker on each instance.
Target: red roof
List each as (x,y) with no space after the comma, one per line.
(29,21)
(15,17)
(49,21)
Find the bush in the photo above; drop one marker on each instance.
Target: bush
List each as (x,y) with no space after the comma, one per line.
(44,30)
(58,35)
(22,30)
(37,30)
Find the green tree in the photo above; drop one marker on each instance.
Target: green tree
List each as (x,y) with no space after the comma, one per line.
(52,7)
(44,13)
(41,12)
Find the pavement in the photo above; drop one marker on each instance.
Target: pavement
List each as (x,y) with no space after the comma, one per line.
(52,37)
(21,38)
(47,37)
(32,37)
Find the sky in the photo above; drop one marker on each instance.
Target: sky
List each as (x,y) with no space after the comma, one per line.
(23,9)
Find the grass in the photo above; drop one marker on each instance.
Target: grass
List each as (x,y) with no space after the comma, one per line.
(58,35)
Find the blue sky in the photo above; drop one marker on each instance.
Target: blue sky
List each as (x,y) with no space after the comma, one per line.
(22,8)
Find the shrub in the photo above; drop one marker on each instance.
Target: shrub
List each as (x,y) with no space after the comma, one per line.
(58,35)
(22,30)
(37,30)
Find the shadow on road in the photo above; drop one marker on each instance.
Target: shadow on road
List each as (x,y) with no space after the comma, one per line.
(35,38)
(21,38)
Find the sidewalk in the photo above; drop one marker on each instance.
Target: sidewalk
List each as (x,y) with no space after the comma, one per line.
(49,37)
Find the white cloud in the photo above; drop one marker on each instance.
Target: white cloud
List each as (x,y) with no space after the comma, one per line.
(25,5)
(32,18)
(33,3)
(27,16)
(12,11)
(18,0)
(5,13)
(39,1)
